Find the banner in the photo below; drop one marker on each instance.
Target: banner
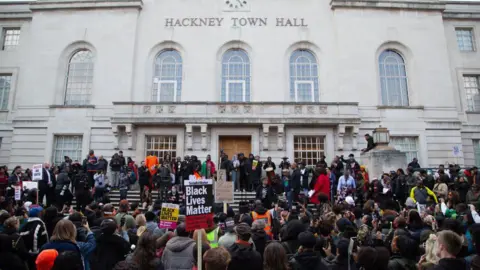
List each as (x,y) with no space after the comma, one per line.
(37,172)
(18,193)
(199,204)
(29,185)
(223,188)
(169,216)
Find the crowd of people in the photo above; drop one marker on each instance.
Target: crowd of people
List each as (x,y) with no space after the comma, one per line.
(327,216)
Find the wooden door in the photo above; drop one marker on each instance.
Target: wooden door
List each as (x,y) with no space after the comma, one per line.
(232,145)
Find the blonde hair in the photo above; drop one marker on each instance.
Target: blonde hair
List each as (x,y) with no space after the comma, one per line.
(11,222)
(64,231)
(431,250)
(140,220)
(204,236)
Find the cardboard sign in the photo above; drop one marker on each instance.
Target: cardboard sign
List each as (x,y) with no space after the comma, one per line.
(223,188)
(169,216)
(199,204)
(18,193)
(29,185)
(37,172)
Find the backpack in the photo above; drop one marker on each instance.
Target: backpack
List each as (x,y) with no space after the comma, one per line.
(115,162)
(81,182)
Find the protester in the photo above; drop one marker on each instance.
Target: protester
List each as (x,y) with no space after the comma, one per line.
(242,253)
(178,253)
(275,258)
(216,259)
(13,253)
(306,258)
(111,247)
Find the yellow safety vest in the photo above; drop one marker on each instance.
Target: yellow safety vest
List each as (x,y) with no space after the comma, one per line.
(212,237)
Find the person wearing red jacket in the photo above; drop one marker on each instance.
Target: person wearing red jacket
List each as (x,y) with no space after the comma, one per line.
(321,186)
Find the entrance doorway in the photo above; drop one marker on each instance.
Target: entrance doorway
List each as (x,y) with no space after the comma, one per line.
(232,145)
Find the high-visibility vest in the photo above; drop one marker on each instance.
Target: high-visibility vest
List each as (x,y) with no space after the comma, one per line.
(212,237)
(265,217)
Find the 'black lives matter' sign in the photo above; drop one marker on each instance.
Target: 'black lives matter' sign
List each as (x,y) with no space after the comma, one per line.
(199,204)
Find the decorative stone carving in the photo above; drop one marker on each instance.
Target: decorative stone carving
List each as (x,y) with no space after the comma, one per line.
(323,109)
(171,109)
(234,109)
(203,130)
(189,128)
(129,131)
(116,135)
(222,108)
(310,109)
(355,132)
(341,133)
(247,109)
(159,109)
(298,109)
(266,131)
(147,109)
(280,135)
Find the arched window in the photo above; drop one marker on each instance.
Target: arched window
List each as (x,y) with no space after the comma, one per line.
(393,79)
(303,76)
(79,78)
(235,76)
(167,80)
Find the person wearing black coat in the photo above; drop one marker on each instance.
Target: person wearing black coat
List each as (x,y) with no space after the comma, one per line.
(111,248)
(13,253)
(46,186)
(295,183)
(306,258)
(143,178)
(265,194)
(304,172)
(399,186)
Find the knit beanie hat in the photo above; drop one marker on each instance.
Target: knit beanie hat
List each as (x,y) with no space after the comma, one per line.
(46,259)
(35,212)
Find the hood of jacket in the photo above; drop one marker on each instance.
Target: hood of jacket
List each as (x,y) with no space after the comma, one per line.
(308,259)
(403,261)
(113,241)
(260,209)
(258,235)
(294,228)
(458,263)
(243,253)
(179,243)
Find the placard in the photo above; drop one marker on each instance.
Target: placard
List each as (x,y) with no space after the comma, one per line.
(37,172)
(29,185)
(18,193)
(169,216)
(223,188)
(199,204)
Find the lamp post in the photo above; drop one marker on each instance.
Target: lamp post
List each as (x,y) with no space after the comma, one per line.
(381,137)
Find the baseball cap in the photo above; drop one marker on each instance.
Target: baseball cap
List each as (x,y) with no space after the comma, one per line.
(243,229)
(307,240)
(46,259)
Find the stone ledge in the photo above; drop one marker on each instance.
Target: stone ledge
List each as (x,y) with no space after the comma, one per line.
(15,15)
(472,112)
(72,106)
(235,121)
(85,4)
(461,15)
(427,5)
(233,103)
(400,107)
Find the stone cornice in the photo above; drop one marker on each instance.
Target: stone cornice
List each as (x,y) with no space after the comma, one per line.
(15,15)
(427,5)
(233,103)
(85,4)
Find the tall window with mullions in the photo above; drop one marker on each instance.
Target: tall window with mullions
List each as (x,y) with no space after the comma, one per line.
(167,80)
(303,77)
(161,146)
(235,76)
(308,149)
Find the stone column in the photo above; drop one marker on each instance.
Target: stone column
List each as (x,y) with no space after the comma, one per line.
(189,128)
(117,137)
(203,130)
(266,131)
(341,133)
(280,135)
(355,131)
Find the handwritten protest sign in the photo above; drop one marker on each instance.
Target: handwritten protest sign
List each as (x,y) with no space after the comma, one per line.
(223,188)
(169,216)
(29,185)
(199,204)
(37,172)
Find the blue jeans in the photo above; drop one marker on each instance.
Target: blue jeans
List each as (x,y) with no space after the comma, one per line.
(289,198)
(236,180)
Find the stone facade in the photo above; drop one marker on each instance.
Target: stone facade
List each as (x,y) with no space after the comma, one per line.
(346,38)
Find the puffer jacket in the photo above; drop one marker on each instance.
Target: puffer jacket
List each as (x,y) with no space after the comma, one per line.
(397,262)
(178,254)
(13,253)
(244,257)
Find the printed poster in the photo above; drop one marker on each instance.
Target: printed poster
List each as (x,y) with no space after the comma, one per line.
(199,204)
(169,216)
(37,172)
